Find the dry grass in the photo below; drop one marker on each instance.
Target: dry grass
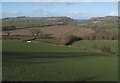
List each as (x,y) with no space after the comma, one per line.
(56,31)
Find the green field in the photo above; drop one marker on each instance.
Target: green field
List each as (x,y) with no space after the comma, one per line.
(43,62)
(50,41)
(89,43)
(114,30)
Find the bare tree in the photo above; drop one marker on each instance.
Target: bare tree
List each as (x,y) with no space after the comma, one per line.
(8,33)
(36,32)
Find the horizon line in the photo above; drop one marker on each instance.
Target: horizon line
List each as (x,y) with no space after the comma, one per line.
(56,16)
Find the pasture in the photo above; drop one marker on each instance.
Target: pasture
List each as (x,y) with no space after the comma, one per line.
(43,62)
(89,43)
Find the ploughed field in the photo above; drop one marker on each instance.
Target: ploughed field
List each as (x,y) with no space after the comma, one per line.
(45,62)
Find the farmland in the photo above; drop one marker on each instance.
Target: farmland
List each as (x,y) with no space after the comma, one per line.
(60,52)
(59,41)
(42,62)
(89,43)
(54,31)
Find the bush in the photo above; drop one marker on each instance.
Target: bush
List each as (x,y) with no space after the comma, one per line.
(92,36)
(113,52)
(45,36)
(95,48)
(7,28)
(103,34)
(103,49)
(67,40)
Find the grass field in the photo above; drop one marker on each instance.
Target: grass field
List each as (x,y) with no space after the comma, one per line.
(85,44)
(43,62)
(114,30)
(50,41)
(89,43)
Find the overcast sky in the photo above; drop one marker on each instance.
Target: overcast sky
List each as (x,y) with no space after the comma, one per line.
(77,10)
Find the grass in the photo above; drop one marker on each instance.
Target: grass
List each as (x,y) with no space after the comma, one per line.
(114,30)
(18,46)
(25,37)
(42,62)
(52,40)
(89,43)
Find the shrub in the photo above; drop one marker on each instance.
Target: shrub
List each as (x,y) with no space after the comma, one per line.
(103,49)
(92,36)
(103,34)
(113,52)
(45,36)
(6,28)
(67,40)
(95,48)
(36,32)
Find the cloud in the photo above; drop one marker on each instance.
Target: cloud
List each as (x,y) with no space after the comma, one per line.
(87,15)
(78,15)
(13,13)
(40,12)
(73,12)
(113,13)
(16,12)
(50,3)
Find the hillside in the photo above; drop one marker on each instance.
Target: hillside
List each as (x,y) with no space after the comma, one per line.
(27,22)
(100,22)
(55,31)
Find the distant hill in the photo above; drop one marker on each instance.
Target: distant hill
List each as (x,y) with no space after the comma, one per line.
(26,22)
(62,25)
(100,22)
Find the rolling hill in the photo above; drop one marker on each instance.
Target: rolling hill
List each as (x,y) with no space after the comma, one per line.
(27,22)
(100,22)
(55,31)
(60,26)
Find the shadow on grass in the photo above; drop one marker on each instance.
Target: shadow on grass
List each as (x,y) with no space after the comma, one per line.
(87,79)
(47,54)
(26,58)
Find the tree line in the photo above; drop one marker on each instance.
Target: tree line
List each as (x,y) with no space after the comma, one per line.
(67,39)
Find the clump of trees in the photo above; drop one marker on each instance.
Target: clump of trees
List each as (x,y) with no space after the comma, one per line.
(8,33)
(37,33)
(99,34)
(6,28)
(69,39)
(103,34)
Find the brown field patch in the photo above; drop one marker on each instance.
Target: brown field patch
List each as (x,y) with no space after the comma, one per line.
(56,31)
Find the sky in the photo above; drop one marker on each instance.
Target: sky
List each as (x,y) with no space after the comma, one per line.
(59,0)
(76,10)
